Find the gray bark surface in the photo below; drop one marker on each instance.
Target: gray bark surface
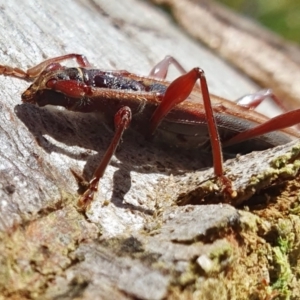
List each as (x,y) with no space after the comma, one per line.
(133,242)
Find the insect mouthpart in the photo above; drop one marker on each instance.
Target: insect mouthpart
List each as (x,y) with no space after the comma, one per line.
(29,96)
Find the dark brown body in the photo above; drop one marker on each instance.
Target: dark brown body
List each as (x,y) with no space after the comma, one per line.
(184,126)
(176,113)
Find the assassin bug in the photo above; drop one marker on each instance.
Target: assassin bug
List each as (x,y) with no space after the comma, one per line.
(179,112)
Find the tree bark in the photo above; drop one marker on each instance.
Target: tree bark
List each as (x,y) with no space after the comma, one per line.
(133,242)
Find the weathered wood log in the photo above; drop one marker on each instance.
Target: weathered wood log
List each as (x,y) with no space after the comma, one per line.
(134,241)
(245,44)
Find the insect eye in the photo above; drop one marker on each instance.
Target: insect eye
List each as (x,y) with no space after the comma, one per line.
(73,74)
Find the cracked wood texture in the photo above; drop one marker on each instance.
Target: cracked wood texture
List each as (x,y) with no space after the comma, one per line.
(134,241)
(40,145)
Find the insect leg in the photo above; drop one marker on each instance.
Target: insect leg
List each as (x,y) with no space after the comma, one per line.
(253,100)
(177,92)
(282,121)
(38,69)
(122,121)
(70,88)
(160,70)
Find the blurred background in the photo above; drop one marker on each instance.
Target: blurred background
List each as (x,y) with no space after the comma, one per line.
(281,16)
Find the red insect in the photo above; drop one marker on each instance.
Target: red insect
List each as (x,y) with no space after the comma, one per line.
(179,112)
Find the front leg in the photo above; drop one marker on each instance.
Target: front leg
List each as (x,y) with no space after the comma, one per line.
(48,65)
(122,121)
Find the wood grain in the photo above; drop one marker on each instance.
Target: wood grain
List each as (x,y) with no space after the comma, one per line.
(134,241)
(40,146)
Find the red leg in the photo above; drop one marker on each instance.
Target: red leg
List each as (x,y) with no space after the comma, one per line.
(282,121)
(161,69)
(37,70)
(253,100)
(74,89)
(70,88)
(177,92)
(122,121)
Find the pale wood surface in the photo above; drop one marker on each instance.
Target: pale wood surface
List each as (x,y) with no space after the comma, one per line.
(51,143)
(133,242)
